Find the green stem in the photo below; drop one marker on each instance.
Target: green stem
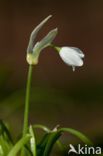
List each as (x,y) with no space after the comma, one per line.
(27,101)
(55,47)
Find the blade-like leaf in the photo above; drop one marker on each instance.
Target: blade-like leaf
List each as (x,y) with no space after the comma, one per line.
(34,34)
(4,132)
(4,146)
(42,144)
(19,145)
(1,151)
(32,141)
(44,128)
(78,134)
(54,136)
(52,139)
(6,142)
(44,140)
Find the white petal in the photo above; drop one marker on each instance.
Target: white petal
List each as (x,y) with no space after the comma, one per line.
(71,56)
(80,53)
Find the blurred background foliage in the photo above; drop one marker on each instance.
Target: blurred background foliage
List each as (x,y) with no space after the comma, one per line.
(59,96)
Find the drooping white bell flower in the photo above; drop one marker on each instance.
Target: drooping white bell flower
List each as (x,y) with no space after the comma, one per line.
(71,56)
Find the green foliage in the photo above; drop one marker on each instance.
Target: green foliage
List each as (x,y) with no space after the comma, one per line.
(6,142)
(29,143)
(18,146)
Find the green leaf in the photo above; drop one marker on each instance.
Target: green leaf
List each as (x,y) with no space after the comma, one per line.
(1,151)
(52,139)
(4,146)
(6,142)
(44,128)
(78,134)
(32,141)
(4,132)
(45,138)
(54,136)
(18,146)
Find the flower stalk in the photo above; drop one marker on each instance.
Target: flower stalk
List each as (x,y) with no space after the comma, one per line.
(27,101)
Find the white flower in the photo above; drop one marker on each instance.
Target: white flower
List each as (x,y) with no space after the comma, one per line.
(71,56)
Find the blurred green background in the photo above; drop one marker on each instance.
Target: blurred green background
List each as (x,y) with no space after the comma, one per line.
(59,96)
